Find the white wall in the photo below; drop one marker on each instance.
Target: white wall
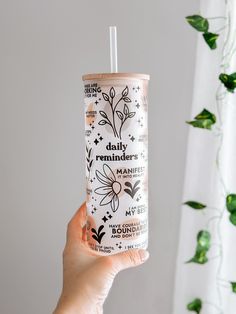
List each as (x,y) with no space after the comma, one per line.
(45,47)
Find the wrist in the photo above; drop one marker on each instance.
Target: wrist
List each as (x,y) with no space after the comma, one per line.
(65,307)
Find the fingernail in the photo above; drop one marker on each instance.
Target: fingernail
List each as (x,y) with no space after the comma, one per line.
(144,255)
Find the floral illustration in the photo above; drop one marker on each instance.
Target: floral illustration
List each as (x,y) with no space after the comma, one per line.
(203,246)
(110,188)
(122,116)
(98,235)
(132,190)
(195,306)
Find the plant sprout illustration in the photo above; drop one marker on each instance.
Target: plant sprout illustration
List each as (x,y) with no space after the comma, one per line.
(231,207)
(132,190)
(88,158)
(203,120)
(122,116)
(110,188)
(195,306)
(98,235)
(203,246)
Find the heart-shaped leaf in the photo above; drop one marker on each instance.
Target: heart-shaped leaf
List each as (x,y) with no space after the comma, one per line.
(231,203)
(125,91)
(120,115)
(195,306)
(210,39)
(229,81)
(102,122)
(204,120)
(105,96)
(198,22)
(195,205)
(112,92)
(233,285)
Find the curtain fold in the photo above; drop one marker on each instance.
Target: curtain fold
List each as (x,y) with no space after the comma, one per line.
(206,263)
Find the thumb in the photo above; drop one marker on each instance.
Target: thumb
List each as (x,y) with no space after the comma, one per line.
(127,259)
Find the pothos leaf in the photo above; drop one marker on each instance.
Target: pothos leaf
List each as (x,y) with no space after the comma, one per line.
(229,81)
(203,239)
(195,306)
(232,218)
(120,114)
(205,119)
(231,203)
(195,205)
(105,96)
(198,22)
(203,246)
(210,39)
(233,285)
(125,91)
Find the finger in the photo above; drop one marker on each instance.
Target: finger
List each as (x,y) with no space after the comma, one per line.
(76,226)
(127,259)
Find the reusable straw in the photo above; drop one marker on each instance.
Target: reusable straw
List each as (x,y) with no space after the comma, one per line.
(113,49)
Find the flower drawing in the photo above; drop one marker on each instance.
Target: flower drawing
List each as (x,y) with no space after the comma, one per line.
(110,188)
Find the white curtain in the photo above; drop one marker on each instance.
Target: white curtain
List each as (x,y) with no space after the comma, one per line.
(205,279)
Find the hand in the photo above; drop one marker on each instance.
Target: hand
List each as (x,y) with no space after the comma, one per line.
(88,276)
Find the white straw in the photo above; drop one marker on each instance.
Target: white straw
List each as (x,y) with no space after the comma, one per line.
(113,49)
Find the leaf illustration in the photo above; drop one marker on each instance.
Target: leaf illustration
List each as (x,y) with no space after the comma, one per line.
(95,237)
(112,92)
(203,246)
(120,115)
(89,153)
(105,96)
(136,183)
(86,148)
(128,192)
(94,231)
(102,122)
(128,184)
(204,120)
(195,205)
(232,218)
(127,99)
(100,228)
(233,285)
(195,306)
(125,91)
(229,81)
(131,114)
(90,164)
(198,22)
(98,235)
(103,114)
(126,109)
(210,39)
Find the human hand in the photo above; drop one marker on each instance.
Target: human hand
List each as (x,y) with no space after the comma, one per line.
(88,276)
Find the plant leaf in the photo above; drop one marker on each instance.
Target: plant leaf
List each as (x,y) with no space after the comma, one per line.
(112,92)
(128,184)
(101,236)
(125,91)
(205,119)
(120,115)
(90,164)
(89,153)
(131,114)
(102,122)
(100,229)
(136,183)
(103,114)
(128,192)
(203,246)
(195,205)
(232,218)
(231,203)
(94,231)
(105,96)
(126,109)
(96,238)
(233,285)
(195,306)
(210,39)
(198,22)
(127,99)
(229,81)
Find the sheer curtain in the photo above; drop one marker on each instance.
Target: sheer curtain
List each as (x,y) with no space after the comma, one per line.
(206,264)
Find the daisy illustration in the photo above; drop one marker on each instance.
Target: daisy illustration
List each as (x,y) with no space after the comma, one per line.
(110,188)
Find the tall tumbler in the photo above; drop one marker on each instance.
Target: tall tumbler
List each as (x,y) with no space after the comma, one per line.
(116,136)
